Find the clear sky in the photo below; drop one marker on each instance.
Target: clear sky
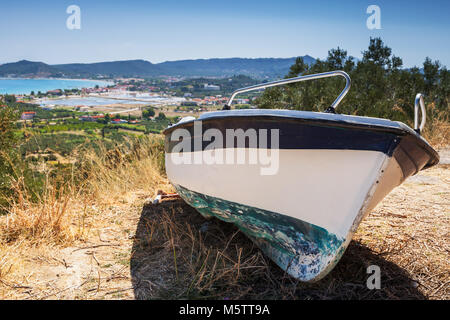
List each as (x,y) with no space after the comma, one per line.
(172,30)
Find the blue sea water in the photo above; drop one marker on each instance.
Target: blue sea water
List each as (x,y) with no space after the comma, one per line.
(25,86)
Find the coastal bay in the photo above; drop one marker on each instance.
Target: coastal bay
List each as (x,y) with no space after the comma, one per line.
(26,86)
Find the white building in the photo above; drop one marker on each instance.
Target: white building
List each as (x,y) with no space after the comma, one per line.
(211,87)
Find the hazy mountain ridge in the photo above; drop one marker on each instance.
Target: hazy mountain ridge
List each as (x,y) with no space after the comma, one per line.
(217,67)
(139,68)
(257,67)
(26,68)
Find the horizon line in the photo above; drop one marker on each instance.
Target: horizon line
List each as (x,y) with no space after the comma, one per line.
(143,59)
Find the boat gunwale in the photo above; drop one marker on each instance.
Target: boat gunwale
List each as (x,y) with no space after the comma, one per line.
(324,119)
(345,120)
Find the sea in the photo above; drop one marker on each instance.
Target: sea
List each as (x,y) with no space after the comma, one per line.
(25,86)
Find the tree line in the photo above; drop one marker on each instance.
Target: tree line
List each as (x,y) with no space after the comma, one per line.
(380,86)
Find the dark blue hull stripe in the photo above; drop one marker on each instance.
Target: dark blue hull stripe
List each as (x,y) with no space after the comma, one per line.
(411,151)
(295,134)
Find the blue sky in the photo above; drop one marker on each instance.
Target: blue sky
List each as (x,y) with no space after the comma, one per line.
(172,30)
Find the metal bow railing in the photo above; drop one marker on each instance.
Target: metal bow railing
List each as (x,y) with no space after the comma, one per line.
(417,102)
(298,79)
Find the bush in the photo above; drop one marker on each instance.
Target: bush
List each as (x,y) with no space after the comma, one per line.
(148,112)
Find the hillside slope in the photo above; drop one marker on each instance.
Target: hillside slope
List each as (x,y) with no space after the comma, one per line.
(27,68)
(258,68)
(139,68)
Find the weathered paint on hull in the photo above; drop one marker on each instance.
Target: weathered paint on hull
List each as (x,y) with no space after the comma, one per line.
(302,249)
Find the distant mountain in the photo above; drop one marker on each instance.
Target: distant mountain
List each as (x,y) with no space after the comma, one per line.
(139,68)
(26,68)
(257,68)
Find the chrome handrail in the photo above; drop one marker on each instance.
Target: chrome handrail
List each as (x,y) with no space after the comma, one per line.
(419,100)
(297,79)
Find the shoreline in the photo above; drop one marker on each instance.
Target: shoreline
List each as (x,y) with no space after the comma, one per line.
(62,79)
(64,84)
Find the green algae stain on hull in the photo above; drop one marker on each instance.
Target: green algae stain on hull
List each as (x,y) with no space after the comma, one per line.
(305,251)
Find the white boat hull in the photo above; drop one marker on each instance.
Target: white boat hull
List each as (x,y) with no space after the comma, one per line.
(329,189)
(327,172)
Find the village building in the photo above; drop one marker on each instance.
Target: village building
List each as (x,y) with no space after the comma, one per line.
(211,87)
(117,121)
(28,115)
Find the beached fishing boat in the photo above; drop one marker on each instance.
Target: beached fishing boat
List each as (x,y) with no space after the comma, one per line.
(297,183)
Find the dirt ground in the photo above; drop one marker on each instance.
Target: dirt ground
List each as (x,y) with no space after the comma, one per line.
(134,254)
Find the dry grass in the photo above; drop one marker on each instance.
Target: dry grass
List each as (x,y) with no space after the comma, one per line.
(177,254)
(46,220)
(103,177)
(411,228)
(138,166)
(72,211)
(189,257)
(95,239)
(437,128)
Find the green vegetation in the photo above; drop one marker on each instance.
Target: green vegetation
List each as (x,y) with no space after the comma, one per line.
(148,112)
(379,87)
(66,125)
(7,141)
(43,114)
(61,143)
(53,146)
(242,106)
(7,137)
(196,86)
(12,167)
